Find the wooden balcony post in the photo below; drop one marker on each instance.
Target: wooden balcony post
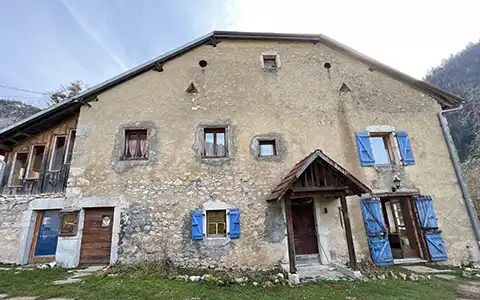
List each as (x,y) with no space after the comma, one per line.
(290,235)
(348,232)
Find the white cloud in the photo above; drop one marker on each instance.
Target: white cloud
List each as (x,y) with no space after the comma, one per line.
(409,35)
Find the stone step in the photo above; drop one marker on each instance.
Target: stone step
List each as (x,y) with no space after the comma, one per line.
(307,260)
(318,272)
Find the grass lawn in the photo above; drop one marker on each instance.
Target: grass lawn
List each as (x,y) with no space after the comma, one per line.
(144,285)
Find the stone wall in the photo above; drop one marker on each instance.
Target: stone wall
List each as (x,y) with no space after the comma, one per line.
(11,217)
(302,103)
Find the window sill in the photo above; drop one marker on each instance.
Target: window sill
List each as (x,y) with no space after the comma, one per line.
(134,159)
(219,237)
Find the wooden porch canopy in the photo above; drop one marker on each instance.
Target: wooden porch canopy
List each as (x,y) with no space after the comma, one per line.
(324,176)
(318,175)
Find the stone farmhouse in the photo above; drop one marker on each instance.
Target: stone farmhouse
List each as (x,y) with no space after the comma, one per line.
(240,150)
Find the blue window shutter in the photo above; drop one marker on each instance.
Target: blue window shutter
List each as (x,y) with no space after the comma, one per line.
(364,149)
(429,226)
(197,225)
(405,148)
(435,245)
(426,212)
(234,223)
(376,231)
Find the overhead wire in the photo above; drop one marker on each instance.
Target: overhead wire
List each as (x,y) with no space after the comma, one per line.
(22,90)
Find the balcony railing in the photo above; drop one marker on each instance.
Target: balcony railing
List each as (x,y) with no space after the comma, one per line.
(51,182)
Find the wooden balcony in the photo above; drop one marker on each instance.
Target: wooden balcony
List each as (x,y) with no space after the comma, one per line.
(51,182)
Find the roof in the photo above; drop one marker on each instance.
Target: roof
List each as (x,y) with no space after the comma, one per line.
(444,98)
(355,185)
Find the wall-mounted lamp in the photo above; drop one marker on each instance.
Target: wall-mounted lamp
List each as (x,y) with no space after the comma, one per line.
(396,184)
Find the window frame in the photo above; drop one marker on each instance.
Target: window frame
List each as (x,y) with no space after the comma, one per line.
(216,235)
(61,232)
(272,142)
(126,133)
(387,140)
(215,131)
(13,163)
(69,140)
(52,153)
(30,157)
(268,56)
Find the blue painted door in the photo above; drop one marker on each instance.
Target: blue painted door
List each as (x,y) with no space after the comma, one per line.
(48,233)
(429,227)
(376,231)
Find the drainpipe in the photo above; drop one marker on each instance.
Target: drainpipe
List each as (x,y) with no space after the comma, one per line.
(458,170)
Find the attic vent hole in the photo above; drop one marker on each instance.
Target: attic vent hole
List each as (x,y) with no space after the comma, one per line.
(345,88)
(202,63)
(327,65)
(192,89)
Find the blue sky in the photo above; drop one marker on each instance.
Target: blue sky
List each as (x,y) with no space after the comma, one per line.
(46,43)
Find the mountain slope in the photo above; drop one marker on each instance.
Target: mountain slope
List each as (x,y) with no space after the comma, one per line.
(460,74)
(12,111)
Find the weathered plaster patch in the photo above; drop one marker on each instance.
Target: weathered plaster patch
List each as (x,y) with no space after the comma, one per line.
(120,165)
(199,144)
(274,223)
(280,144)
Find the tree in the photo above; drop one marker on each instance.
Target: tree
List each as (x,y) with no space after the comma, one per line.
(65,92)
(460,74)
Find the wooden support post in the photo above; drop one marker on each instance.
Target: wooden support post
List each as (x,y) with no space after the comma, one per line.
(290,236)
(6,171)
(348,232)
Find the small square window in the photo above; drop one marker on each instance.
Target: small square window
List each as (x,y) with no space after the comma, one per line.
(270,62)
(136,144)
(69,224)
(267,148)
(382,149)
(215,142)
(217,223)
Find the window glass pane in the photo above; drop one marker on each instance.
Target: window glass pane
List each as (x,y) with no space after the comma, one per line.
(212,228)
(136,144)
(71,143)
(216,222)
(209,144)
(220,144)
(19,168)
(269,62)
(36,162)
(69,222)
(380,150)
(58,152)
(266,150)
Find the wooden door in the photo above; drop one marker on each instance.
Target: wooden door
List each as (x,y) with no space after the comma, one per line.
(405,228)
(97,236)
(304,229)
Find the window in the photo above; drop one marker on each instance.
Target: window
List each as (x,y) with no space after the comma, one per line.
(136,144)
(35,163)
(382,149)
(267,148)
(217,223)
(270,62)
(69,224)
(215,142)
(59,147)
(19,168)
(70,144)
